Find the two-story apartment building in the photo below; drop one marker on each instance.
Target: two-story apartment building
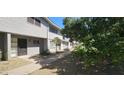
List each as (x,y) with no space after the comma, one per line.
(28,36)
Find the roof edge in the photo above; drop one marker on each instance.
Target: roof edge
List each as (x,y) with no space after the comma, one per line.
(52,23)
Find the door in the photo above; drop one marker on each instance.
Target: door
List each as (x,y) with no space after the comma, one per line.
(1,45)
(22,47)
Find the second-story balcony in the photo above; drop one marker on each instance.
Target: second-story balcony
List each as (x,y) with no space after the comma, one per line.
(55,31)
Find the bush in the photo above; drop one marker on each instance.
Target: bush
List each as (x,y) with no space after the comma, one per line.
(102,42)
(101,54)
(45,52)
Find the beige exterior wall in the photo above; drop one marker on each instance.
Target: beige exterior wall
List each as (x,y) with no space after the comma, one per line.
(32,49)
(19,25)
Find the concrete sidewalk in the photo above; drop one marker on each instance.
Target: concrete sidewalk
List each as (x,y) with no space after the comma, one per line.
(35,65)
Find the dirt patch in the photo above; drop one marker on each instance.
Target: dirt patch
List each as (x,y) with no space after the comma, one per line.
(13,63)
(63,66)
(44,72)
(68,66)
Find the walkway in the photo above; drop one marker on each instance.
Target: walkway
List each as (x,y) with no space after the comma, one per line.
(36,64)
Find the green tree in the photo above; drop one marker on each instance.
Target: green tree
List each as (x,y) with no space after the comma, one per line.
(57,42)
(101,39)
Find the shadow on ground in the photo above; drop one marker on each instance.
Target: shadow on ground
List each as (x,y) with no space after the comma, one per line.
(67,66)
(64,66)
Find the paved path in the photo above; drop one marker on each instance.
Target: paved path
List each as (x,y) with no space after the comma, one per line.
(35,65)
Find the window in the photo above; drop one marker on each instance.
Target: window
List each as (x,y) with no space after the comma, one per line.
(34,21)
(30,20)
(53,31)
(36,42)
(37,22)
(14,47)
(14,44)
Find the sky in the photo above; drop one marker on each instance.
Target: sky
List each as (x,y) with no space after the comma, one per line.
(58,21)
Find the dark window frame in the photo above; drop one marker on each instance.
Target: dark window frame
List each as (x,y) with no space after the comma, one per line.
(34,21)
(31,20)
(37,22)
(37,42)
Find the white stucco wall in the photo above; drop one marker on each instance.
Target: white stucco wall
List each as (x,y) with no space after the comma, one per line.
(51,36)
(19,25)
(32,49)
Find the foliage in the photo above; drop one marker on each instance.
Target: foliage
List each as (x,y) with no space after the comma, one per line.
(46,52)
(101,40)
(57,41)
